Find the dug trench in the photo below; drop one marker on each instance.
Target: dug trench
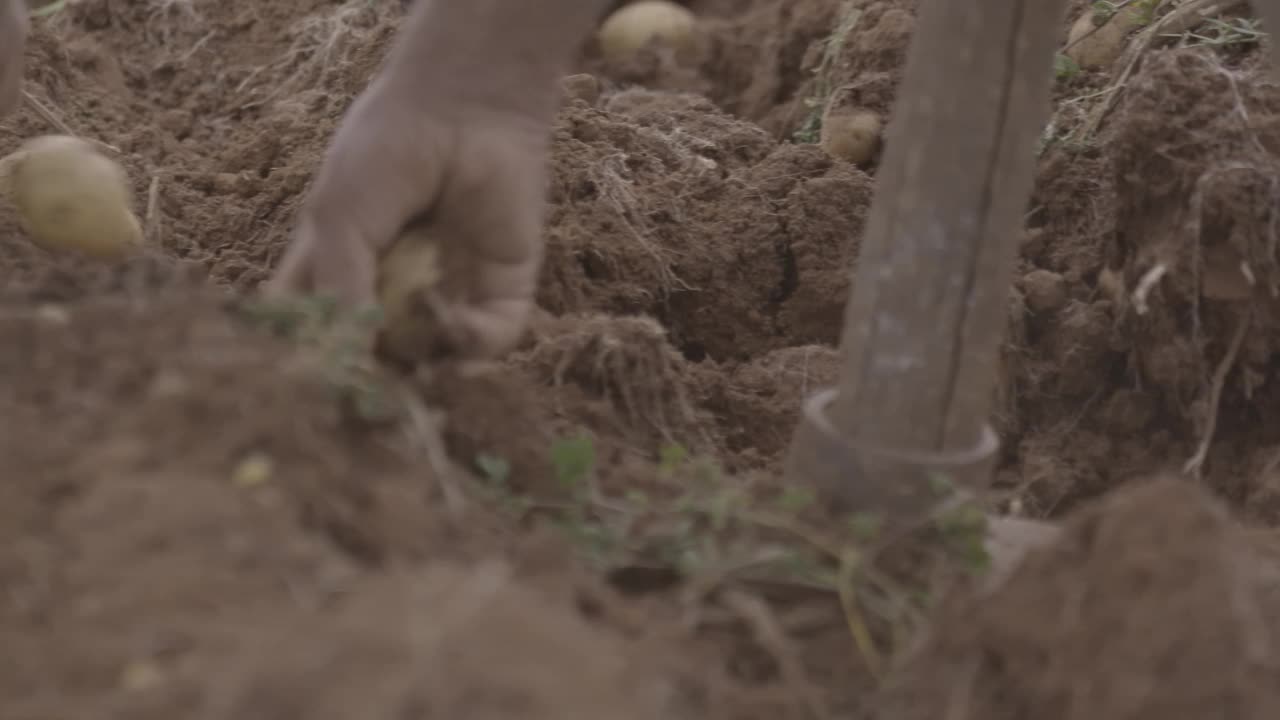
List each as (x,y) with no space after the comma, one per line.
(202,517)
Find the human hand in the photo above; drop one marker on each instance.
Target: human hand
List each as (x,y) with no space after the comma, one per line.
(472,182)
(13,41)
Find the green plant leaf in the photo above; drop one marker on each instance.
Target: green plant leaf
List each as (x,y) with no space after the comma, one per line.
(796,499)
(671,457)
(495,469)
(865,526)
(573,459)
(1064,68)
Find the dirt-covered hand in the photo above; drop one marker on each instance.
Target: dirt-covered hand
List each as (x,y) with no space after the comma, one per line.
(453,135)
(13,37)
(478,184)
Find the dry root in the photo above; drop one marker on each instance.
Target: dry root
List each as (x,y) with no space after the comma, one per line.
(630,362)
(317,46)
(1215,396)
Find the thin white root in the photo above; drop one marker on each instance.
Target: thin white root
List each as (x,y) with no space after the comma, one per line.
(774,639)
(424,430)
(1196,462)
(1145,285)
(60,125)
(153,212)
(1186,15)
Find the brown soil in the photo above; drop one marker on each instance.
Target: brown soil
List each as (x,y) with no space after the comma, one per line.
(201,517)
(1153,604)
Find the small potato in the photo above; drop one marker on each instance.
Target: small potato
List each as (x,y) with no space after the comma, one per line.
(851,134)
(410,267)
(1093,47)
(634,25)
(71,197)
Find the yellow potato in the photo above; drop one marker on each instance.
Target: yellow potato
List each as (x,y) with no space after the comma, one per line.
(411,266)
(850,133)
(634,25)
(1093,47)
(71,197)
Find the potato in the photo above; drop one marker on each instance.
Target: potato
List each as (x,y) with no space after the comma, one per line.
(632,26)
(850,133)
(410,266)
(1092,48)
(71,197)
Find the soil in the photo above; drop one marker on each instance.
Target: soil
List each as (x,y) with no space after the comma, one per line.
(1122,617)
(206,513)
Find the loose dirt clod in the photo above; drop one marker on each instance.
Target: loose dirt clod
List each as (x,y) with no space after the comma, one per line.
(1064,637)
(629,362)
(449,642)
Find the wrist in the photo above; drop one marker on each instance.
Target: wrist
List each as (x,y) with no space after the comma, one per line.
(502,55)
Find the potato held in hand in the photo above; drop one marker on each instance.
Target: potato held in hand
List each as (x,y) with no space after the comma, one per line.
(71,197)
(409,269)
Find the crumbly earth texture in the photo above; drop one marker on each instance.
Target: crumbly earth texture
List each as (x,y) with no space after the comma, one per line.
(213,508)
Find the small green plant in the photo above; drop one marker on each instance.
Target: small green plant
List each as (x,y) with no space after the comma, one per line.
(865,527)
(796,499)
(941,485)
(495,469)
(1143,11)
(810,129)
(49,9)
(573,459)
(1146,11)
(1064,68)
(671,458)
(717,532)
(1233,32)
(339,339)
(964,529)
(599,542)
(1103,11)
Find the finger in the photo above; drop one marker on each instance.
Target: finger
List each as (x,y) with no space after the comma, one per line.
(489,329)
(292,275)
(340,262)
(490,217)
(374,181)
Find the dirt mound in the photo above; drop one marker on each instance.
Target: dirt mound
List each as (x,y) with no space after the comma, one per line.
(1153,604)
(663,205)
(759,401)
(450,643)
(218,158)
(115,399)
(1148,276)
(776,63)
(200,517)
(195,520)
(1196,252)
(166,473)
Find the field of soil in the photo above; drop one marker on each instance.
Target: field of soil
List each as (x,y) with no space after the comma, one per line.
(209,510)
